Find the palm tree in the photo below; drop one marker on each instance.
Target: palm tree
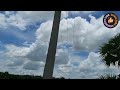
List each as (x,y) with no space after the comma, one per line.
(110,51)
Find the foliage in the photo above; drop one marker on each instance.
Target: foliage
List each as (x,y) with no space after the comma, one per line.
(6,75)
(109,76)
(110,51)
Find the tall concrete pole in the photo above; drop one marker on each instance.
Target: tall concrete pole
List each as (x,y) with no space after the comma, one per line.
(50,60)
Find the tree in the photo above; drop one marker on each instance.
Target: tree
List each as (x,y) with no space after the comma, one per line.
(110,51)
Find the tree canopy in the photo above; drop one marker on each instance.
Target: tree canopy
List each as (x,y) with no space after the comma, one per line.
(110,51)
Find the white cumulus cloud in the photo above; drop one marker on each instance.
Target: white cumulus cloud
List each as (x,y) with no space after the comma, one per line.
(80,33)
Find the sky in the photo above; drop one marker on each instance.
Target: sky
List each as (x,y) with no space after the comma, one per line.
(25,35)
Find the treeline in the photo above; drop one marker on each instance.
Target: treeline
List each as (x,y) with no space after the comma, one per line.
(6,75)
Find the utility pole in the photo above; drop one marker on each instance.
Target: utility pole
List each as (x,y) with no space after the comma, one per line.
(50,60)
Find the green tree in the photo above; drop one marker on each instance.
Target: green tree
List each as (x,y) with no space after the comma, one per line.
(110,51)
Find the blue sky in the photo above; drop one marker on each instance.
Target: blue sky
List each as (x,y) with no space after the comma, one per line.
(13,35)
(24,40)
